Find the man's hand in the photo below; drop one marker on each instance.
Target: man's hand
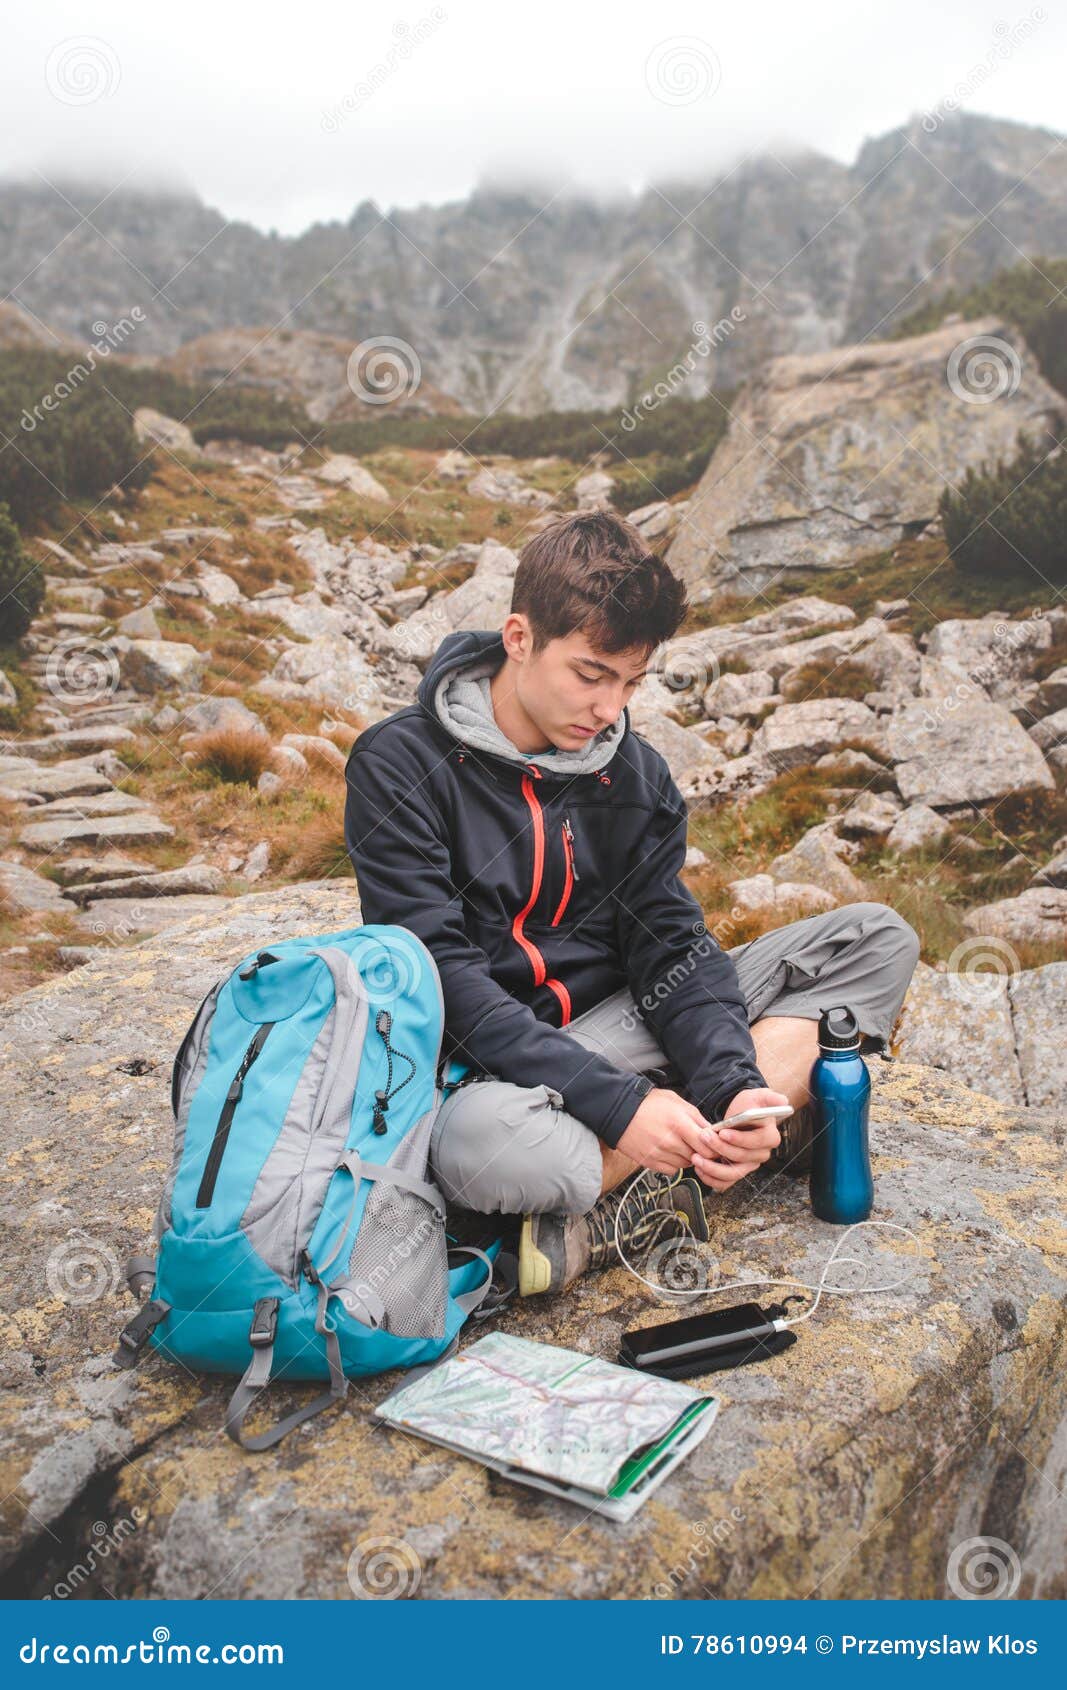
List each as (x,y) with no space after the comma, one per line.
(667,1133)
(727,1154)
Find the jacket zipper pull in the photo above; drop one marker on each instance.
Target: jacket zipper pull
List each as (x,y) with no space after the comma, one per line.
(568,830)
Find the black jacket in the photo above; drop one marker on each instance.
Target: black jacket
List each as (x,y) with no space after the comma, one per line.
(537,896)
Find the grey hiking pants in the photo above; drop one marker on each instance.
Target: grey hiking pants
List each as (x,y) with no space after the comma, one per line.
(502,1148)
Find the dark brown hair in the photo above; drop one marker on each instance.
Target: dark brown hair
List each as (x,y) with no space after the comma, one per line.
(593,572)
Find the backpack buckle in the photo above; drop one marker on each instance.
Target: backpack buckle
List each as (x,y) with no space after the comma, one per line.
(135,1333)
(264,1327)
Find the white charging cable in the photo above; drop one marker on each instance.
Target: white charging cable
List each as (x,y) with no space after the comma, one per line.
(819,1287)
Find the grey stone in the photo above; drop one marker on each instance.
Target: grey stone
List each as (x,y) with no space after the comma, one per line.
(835,476)
(217,713)
(970,752)
(1039,1012)
(156,429)
(1054,872)
(1036,916)
(166,883)
(739,695)
(23,890)
(139,827)
(888,1383)
(1050,732)
(820,858)
(140,624)
(870,815)
(121,918)
(916,828)
(762,891)
(960,1021)
(72,741)
(342,470)
(162,665)
(798,733)
(993,652)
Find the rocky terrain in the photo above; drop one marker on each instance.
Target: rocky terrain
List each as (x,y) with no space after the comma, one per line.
(900,1425)
(177,720)
(530,301)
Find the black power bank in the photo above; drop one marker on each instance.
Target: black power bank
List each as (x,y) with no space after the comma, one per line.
(706,1343)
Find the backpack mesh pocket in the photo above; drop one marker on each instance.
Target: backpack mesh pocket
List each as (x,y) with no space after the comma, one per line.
(400,1251)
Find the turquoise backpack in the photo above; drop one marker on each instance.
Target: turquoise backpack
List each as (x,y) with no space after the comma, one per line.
(298,1234)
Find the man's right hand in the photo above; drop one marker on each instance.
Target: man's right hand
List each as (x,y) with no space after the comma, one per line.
(664,1132)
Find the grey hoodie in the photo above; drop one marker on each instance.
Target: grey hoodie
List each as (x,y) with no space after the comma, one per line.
(464,706)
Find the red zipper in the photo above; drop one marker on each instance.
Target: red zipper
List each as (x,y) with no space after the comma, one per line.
(536,960)
(571,876)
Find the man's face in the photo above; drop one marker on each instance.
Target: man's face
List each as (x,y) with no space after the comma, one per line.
(572,691)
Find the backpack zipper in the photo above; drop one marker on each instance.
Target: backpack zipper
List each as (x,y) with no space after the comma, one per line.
(222,1128)
(571,874)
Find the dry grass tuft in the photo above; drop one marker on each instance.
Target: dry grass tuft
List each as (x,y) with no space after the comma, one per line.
(235,755)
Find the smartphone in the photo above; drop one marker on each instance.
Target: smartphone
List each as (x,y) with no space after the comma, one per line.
(777,1112)
(675,1340)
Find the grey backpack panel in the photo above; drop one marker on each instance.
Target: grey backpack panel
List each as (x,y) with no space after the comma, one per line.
(292,1184)
(401,1252)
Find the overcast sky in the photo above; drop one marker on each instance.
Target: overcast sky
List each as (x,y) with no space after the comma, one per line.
(283,114)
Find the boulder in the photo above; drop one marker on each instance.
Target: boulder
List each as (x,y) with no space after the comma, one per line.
(960,1021)
(969,752)
(762,891)
(217,713)
(482,601)
(798,733)
(330,670)
(700,655)
(891,660)
(1052,693)
(593,491)
(739,695)
(216,586)
(504,486)
(163,665)
(455,466)
(820,858)
(122,918)
(653,521)
(1039,1015)
(155,429)
(851,441)
(1051,732)
(147,883)
(75,742)
(23,891)
(1054,872)
(883,1385)
(916,828)
(1037,916)
(31,783)
(256,863)
(992,652)
(138,827)
(870,815)
(342,470)
(140,624)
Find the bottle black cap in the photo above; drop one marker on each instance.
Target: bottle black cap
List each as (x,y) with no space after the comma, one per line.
(838,1030)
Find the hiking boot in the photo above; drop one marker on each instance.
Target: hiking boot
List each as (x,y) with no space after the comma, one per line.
(793,1155)
(555,1249)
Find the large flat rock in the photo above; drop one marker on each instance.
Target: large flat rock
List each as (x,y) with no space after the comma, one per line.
(898,1425)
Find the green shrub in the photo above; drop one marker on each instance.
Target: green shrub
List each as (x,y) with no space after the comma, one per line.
(1009,520)
(21,581)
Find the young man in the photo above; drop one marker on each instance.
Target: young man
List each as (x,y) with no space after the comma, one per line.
(517,824)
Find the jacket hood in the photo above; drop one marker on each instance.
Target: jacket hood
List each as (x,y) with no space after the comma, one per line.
(455,690)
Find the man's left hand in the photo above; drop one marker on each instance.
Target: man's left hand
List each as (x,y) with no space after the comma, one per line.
(734,1152)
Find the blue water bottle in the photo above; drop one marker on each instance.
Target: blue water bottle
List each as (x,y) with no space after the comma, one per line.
(841,1186)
